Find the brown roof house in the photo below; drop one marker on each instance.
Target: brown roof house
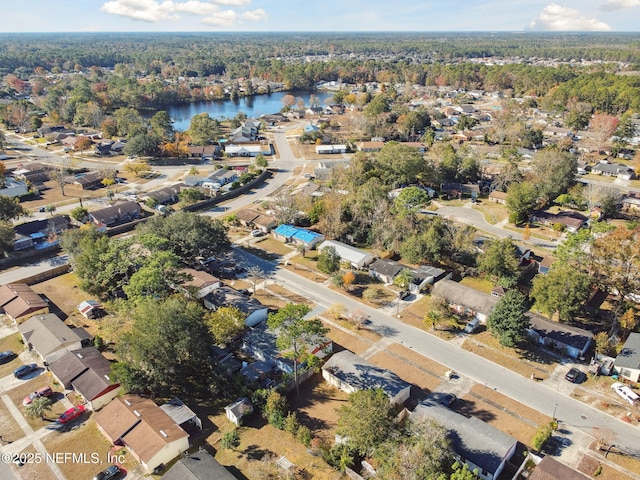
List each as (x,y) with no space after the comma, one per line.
(137,423)
(88,373)
(551,469)
(201,283)
(119,212)
(50,337)
(19,302)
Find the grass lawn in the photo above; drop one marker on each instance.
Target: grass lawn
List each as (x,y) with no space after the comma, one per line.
(88,440)
(493,212)
(525,361)
(414,315)
(32,469)
(9,428)
(269,299)
(479,283)
(273,245)
(13,343)
(288,294)
(347,340)
(589,465)
(17,395)
(409,372)
(628,462)
(65,294)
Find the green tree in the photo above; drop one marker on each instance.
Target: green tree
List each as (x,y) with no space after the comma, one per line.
(261,161)
(295,333)
(499,259)
(508,320)
(275,409)
(161,125)
(424,453)
(366,420)
(328,260)
(522,198)
(203,129)
(167,348)
(562,291)
(157,277)
(143,145)
(189,196)
(410,201)
(129,122)
(230,440)
(10,208)
(38,407)
(225,323)
(553,173)
(189,235)
(7,237)
(79,214)
(403,279)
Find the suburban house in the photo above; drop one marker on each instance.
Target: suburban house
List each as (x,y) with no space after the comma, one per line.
(34,173)
(233,150)
(350,373)
(40,233)
(87,181)
(199,465)
(385,270)
(474,442)
(357,258)
(574,341)
(465,300)
(119,212)
(627,363)
(330,149)
(370,146)
(18,301)
(50,337)
(14,188)
(570,220)
(138,424)
(204,151)
(246,217)
(88,373)
(201,283)
(260,343)
(255,311)
(498,197)
(613,170)
(300,236)
(239,409)
(426,275)
(551,469)
(165,196)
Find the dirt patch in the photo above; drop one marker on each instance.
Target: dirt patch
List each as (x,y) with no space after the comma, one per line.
(411,373)
(625,461)
(344,340)
(597,400)
(520,360)
(590,465)
(317,406)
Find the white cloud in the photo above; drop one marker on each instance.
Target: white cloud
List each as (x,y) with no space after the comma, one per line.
(557,18)
(620,4)
(155,11)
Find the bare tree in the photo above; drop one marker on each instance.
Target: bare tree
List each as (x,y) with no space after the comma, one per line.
(255,275)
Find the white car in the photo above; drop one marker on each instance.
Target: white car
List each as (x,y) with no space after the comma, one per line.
(257,233)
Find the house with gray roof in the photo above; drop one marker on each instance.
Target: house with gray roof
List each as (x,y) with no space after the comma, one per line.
(50,337)
(474,442)
(199,465)
(356,257)
(465,300)
(350,373)
(613,170)
(627,363)
(119,212)
(385,270)
(426,275)
(560,336)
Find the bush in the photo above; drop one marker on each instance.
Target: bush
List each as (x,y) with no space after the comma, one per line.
(304,435)
(291,423)
(230,440)
(275,409)
(542,435)
(340,456)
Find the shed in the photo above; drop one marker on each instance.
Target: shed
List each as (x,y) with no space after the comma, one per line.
(239,409)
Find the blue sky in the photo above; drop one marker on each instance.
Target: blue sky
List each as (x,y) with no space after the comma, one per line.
(319,15)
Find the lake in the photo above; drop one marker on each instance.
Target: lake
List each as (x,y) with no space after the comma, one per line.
(253,106)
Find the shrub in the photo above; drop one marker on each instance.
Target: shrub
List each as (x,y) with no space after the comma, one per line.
(598,470)
(230,440)
(291,423)
(304,435)
(542,435)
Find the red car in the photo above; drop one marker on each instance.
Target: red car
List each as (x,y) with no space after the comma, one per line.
(71,414)
(43,392)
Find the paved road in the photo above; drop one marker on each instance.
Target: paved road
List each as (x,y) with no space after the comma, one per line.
(573,414)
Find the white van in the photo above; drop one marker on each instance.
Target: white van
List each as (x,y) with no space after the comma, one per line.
(625,392)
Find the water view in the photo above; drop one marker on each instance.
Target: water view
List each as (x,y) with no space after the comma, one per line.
(253,107)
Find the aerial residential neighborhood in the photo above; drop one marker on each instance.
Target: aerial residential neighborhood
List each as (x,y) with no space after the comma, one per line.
(432,272)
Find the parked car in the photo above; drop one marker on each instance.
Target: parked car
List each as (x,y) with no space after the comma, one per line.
(108,473)
(573,375)
(257,233)
(25,370)
(447,399)
(71,414)
(472,326)
(403,294)
(7,356)
(43,392)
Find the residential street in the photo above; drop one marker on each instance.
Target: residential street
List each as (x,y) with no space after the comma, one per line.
(542,396)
